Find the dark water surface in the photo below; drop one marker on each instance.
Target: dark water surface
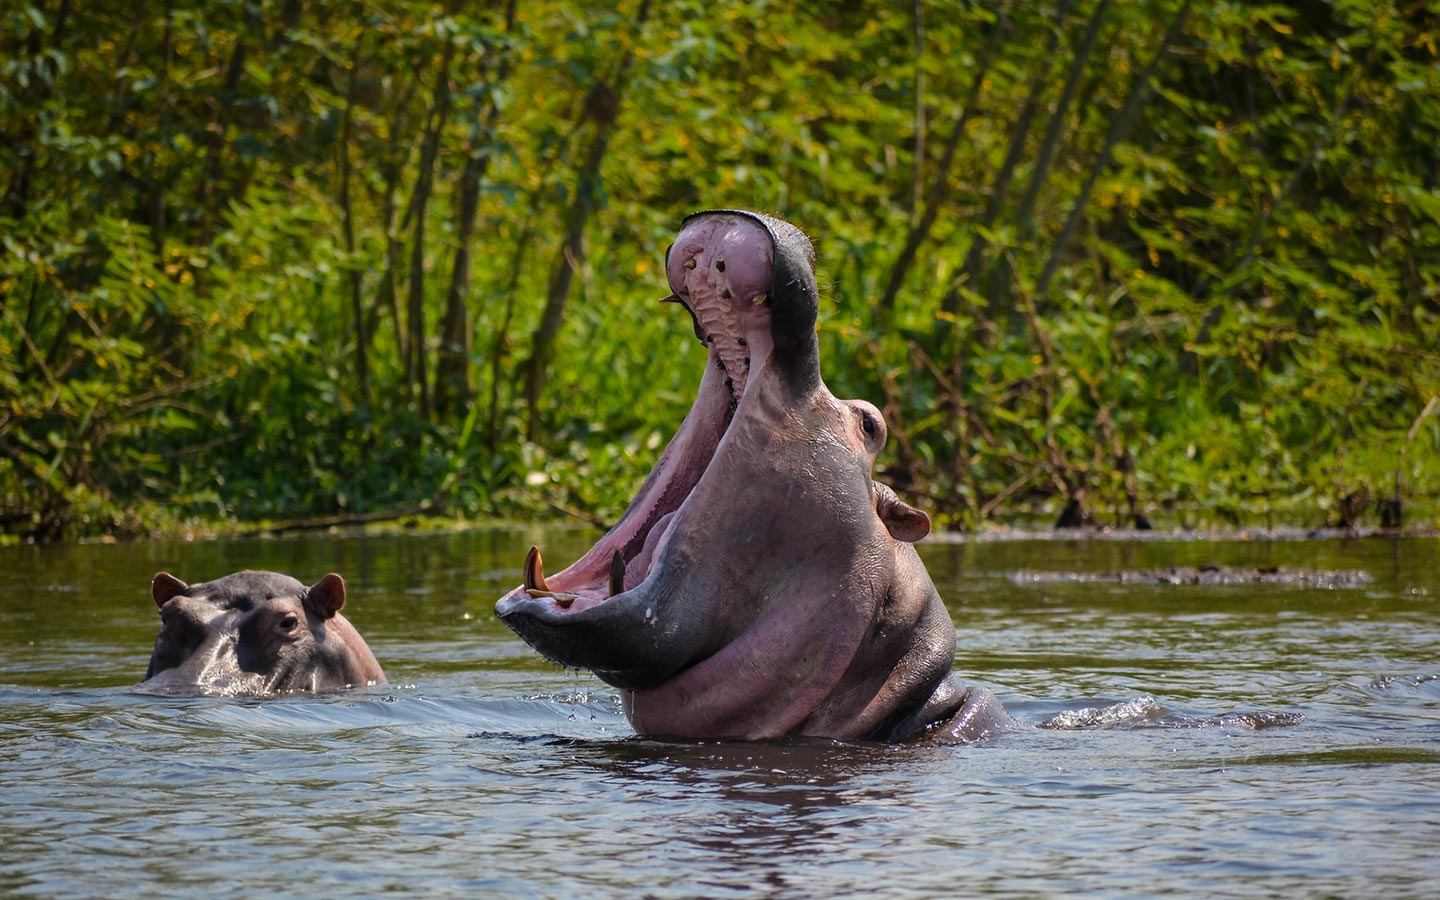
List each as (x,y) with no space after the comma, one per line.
(482,771)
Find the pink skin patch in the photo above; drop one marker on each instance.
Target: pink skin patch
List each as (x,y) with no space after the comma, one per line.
(721,268)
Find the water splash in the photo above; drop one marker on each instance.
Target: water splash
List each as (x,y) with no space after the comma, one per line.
(1147,712)
(1382,682)
(1131,712)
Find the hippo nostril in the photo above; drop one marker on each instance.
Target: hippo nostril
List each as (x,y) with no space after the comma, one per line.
(719,265)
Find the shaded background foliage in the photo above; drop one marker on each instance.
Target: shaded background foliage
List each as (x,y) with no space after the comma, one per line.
(1110,260)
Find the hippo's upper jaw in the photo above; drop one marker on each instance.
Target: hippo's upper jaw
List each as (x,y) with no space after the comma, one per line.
(759,584)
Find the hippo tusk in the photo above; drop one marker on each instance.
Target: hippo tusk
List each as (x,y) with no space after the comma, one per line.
(536,585)
(617,574)
(535,572)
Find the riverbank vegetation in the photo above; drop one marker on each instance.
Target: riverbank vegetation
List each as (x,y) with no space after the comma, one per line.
(1110,260)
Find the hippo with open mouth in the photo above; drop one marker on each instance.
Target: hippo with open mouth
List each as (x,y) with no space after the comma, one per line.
(760,584)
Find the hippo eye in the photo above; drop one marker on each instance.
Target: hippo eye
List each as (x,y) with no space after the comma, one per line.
(290,622)
(867,424)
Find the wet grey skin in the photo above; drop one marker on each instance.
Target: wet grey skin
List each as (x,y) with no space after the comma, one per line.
(760,584)
(256,634)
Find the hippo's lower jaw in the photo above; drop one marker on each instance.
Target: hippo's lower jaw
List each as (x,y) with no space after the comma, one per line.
(594,614)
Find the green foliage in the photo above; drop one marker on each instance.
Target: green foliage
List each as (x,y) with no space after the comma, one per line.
(1220,306)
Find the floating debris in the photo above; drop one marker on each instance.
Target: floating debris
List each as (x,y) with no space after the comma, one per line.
(1207,575)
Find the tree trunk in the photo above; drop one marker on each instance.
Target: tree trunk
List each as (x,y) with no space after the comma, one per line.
(347,222)
(997,283)
(1056,126)
(415,366)
(938,193)
(917,187)
(385,299)
(970,269)
(570,259)
(452,364)
(1119,128)
(452,357)
(502,334)
(602,106)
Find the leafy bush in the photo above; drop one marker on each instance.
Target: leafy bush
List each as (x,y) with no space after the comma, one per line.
(272,261)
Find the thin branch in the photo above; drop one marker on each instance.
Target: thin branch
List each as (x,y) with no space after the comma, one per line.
(1119,128)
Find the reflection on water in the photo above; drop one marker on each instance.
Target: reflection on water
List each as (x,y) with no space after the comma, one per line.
(482,770)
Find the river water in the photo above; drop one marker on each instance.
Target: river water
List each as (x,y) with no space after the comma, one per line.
(1192,740)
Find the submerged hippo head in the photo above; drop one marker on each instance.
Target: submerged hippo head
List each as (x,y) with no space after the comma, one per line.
(760,583)
(256,633)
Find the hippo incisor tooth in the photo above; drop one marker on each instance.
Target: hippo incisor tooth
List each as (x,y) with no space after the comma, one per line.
(690,263)
(617,574)
(535,572)
(760,298)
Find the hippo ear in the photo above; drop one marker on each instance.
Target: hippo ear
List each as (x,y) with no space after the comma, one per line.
(327,596)
(903,521)
(166,586)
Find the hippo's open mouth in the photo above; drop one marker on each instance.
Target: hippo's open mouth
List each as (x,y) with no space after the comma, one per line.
(721,270)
